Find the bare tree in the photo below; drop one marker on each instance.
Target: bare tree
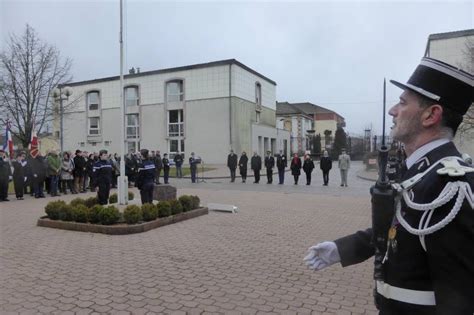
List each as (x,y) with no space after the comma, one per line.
(468,66)
(29,69)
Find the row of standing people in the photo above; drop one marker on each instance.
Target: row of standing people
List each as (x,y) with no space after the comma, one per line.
(282,163)
(53,173)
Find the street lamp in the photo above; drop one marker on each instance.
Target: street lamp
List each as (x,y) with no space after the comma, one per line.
(61,93)
(310,134)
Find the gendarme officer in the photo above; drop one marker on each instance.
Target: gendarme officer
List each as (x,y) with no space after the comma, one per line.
(146,177)
(428,264)
(102,177)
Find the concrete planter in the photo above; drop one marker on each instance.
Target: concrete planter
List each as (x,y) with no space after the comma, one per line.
(122,228)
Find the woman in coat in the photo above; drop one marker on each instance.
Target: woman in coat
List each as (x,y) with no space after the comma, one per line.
(243,166)
(308,167)
(67,178)
(295,167)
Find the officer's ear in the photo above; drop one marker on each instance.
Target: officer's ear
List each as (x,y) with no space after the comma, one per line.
(432,115)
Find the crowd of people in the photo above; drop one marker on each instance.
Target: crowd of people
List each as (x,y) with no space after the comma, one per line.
(57,173)
(281,163)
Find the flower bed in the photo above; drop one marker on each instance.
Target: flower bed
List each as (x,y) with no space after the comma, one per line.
(121,228)
(86,216)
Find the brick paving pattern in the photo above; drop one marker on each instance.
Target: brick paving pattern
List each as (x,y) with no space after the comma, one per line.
(244,263)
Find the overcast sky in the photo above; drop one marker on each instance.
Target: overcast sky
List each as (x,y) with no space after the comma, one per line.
(334,54)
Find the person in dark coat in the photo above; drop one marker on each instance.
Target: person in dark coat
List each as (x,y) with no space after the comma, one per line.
(102,177)
(158,166)
(256,165)
(243,161)
(5,176)
(166,168)
(325,165)
(232,164)
(146,177)
(38,173)
(295,167)
(79,171)
(308,166)
(269,165)
(19,175)
(282,163)
(178,162)
(91,160)
(424,257)
(193,162)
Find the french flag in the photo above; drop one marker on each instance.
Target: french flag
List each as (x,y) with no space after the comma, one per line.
(8,145)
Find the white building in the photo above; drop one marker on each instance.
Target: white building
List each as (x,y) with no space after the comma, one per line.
(205,108)
(457,49)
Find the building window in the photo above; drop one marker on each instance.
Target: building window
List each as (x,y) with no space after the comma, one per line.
(258,95)
(94,144)
(131,96)
(257,116)
(107,143)
(175,123)
(174,91)
(176,146)
(93,100)
(94,126)
(133,126)
(82,144)
(133,146)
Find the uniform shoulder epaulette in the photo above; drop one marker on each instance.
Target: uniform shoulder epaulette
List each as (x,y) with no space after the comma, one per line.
(453,168)
(458,190)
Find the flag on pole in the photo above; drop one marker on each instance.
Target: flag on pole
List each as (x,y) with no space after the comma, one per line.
(34,142)
(8,145)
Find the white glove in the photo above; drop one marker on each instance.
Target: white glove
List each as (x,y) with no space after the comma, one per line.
(25,179)
(322,255)
(10,177)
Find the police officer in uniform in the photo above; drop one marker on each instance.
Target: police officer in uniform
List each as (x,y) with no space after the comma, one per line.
(102,176)
(146,177)
(428,264)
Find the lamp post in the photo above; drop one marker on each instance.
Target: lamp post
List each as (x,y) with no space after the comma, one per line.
(310,134)
(61,93)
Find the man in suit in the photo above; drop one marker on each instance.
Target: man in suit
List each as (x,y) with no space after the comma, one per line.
(427,265)
(344,165)
(282,163)
(232,164)
(269,164)
(256,165)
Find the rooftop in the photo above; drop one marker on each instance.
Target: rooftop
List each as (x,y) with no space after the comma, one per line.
(183,68)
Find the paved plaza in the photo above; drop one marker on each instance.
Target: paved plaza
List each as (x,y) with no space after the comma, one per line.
(245,263)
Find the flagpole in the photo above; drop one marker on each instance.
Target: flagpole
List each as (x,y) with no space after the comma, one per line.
(122,180)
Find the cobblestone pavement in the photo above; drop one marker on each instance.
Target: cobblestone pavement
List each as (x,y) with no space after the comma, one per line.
(244,263)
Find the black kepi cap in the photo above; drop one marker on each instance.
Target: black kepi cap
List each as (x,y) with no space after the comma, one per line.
(443,83)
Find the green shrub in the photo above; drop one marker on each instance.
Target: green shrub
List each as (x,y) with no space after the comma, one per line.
(132,214)
(164,209)
(196,202)
(80,213)
(109,215)
(186,202)
(77,201)
(53,209)
(113,198)
(176,207)
(91,201)
(149,212)
(131,195)
(65,213)
(95,213)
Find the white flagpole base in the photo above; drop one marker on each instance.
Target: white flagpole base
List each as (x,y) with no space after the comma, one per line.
(122,190)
